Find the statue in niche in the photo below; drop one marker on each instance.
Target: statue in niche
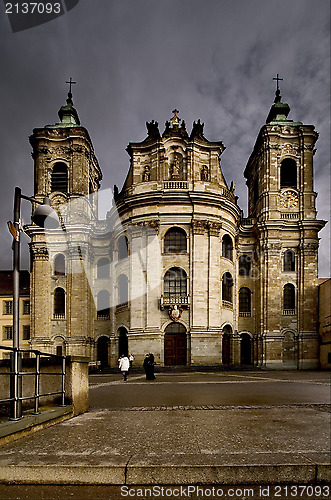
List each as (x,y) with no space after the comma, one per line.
(146,174)
(204,174)
(175,170)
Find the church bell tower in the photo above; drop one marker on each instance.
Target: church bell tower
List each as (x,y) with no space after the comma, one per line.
(281,200)
(67,171)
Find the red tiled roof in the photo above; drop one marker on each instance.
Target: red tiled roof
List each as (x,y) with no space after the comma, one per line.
(323,280)
(6,283)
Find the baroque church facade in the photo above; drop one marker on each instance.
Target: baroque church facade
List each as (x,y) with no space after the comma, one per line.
(175,268)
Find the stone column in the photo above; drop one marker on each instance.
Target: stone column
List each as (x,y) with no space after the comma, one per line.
(41,297)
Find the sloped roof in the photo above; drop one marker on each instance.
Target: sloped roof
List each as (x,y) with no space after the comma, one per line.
(6,283)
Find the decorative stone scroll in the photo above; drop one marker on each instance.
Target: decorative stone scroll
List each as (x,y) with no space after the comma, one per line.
(39,252)
(199,226)
(214,228)
(310,248)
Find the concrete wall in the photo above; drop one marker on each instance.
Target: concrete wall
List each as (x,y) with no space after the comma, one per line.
(76,382)
(325,323)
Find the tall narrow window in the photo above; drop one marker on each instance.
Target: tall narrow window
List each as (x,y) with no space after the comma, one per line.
(175,241)
(123,289)
(8,333)
(59,265)
(256,191)
(26,307)
(227,284)
(59,178)
(289,299)
(288,173)
(244,265)
(227,247)
(103,268)
(103,304)
(59,303)
(8,307)
(26,332)
(175,283)
(123,247)
(244,301)
(289,260)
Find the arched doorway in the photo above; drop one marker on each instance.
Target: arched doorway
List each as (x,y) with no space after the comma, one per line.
(102,351)
(226,345)
(123,348)
(245,349)
(175,344)
(289,349)
(60,346)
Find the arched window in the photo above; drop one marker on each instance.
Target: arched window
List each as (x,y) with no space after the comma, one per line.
(123,247)
(244,265)
(227,247)
(289,260)
(227,284)
(244,301)
(123,289)
(288,173)
(289,299)
(59,265)
(103,304)
(59,303)
(103,268)
(175,283)
(59,178)
(175,241)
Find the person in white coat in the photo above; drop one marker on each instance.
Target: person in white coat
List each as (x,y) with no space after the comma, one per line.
(124,365)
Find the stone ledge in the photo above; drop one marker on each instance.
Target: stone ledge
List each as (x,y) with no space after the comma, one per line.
(171,470)
(14,429)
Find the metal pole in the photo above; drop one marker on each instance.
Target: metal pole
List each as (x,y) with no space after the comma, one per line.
(37,380)
(16,383)
(16,268)
(63,380)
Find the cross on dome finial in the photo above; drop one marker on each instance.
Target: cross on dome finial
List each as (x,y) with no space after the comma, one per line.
(175,120)
(278,80)
(71,82)
(278,96)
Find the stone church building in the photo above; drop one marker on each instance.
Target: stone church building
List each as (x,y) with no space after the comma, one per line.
(175,268)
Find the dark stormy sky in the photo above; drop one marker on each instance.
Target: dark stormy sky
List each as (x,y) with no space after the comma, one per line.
(136,60)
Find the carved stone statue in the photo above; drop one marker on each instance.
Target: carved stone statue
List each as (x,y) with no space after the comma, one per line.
(204,174)
(175,170)
(146,174)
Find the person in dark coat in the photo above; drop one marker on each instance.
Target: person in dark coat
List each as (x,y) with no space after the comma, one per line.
(149,366)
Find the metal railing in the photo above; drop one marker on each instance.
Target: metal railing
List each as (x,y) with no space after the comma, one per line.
(175,185)
(16,398)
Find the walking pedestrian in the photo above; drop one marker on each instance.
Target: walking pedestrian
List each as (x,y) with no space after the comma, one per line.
(124,365)
(131,358)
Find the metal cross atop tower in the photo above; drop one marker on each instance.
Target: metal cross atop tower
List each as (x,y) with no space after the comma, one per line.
(175,119)
(278,80)
(71,82)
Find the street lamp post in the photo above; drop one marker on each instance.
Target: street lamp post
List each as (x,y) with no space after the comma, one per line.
(46,217)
